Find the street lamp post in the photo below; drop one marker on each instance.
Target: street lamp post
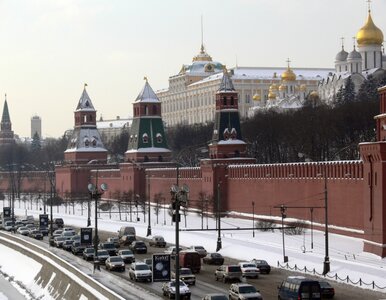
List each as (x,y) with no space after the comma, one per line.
(283,215)
(253,218)
(326,264)
(312,227)
(149,207)
(96,194)
(219,243)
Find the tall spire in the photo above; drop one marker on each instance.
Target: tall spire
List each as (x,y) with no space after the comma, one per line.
(342,39)
(5,117)
(85,101)
(202,37)
(226,82)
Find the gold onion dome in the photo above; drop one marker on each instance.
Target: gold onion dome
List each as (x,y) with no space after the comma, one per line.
(314,94)
(369,34)
(273,87)
(256,97)
(271,95)
(282,87)
(288,75)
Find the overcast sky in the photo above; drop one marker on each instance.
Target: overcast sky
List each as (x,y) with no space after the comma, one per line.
(50,48)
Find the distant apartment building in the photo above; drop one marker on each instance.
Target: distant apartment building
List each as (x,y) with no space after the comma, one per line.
(36,126)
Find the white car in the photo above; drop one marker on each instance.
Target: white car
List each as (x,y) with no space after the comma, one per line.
(140,271)
(169,289)
(249,269)
(200,249)
(23,230)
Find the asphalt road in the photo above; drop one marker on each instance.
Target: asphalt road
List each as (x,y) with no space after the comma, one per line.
(206,283)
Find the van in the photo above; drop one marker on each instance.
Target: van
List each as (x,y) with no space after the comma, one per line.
(299,287)
(191,260)
(126,230)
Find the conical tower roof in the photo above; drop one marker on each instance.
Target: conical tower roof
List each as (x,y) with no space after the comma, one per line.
(147,94)
(85,101)
(5,118)
(226,83)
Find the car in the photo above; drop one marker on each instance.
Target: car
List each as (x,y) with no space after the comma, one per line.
(67,244)
(172,251)
(263,266)
(249,270)
(58,223)
(213,259)
(44,230)
(138,247)
(186,276)
(215,296)
(127,255)
(18,224)
(326,289)
(102,255)
(157,241)
(59,240)
(77,248)
(169,290)
(114,240)
(36,234)
(149,262)
(299,287)
(51,241)
(200,249)
(88,253)
(228,272)
(109,247)
(75,238)
(57,232)
(9,225)
(23,230)
(127,239)
(241,291)
(69,233)
(140,271)
(30,227)
(115,263)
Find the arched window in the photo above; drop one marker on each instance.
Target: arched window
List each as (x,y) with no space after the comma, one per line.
(146,158)
(146,110)
(154,109)
(224,101)
(160,158)
(232,101)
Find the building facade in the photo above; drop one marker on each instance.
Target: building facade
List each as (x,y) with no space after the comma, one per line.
(366,58)
(36,126)
(110,129)
(191,95)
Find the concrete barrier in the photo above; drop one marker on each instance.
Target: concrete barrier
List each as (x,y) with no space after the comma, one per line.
(61,279)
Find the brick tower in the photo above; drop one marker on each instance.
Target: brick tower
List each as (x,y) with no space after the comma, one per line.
(374,175)
(85,143)
(226,139)
(147,142)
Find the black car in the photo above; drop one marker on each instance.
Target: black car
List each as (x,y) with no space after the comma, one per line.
(263,266)
(213,259)
(88,253)
(327,290)
(109,247)
(138,247)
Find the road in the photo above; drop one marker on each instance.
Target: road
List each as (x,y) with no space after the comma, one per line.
(267,284)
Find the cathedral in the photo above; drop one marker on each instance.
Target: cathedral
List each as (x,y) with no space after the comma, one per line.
(366,58)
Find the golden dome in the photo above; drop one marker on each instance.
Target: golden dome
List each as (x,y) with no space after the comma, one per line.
(271,95)
(256,97)
(273,87)
(314,94)
(369,34)
(303,87)
(282,87)
(288,75)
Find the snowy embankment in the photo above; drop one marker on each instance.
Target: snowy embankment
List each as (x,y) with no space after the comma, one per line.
(346,255)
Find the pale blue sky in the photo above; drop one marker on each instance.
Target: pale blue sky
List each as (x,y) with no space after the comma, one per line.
(49,48)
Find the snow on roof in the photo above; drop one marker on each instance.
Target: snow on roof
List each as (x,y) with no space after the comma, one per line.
(149,149)
(231,142)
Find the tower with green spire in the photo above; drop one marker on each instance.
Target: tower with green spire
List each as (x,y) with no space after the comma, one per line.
(147,141)
(6,133)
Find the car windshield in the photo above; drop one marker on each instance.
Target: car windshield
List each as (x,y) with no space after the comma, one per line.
(89,250)
(199,248)
(234,269)
(60,238)
(185,272)
(140,244)
(324,284)
(102,252)
(68,242)
(173,284)
(249,266)
(23,228)
(126,252)
(142,267)
(116,259)
(247,289)
(108,245)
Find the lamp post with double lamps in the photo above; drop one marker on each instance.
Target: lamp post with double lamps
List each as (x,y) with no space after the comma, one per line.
(149,207)
(96,194)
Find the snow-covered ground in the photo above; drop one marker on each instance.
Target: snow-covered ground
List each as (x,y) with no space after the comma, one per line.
(346,255)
